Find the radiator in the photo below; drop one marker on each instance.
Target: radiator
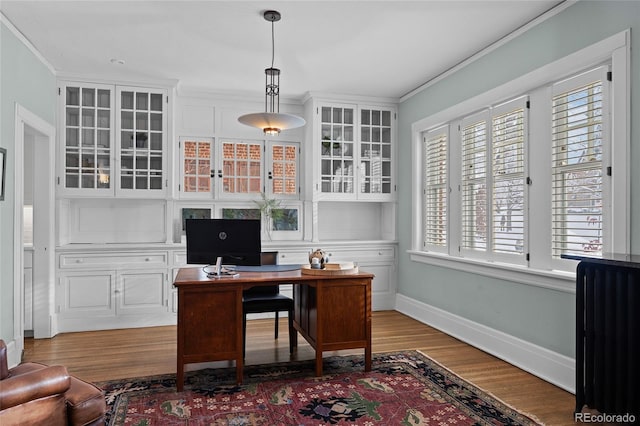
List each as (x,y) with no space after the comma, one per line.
(608,336)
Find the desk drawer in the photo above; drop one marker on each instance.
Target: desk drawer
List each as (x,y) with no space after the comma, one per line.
(116,260)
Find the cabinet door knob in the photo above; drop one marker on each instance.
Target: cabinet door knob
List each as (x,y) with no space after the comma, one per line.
(147,259)
(79,260)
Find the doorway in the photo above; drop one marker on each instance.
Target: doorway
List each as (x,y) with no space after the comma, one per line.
(34,224)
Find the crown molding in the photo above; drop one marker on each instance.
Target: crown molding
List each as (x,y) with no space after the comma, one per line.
(490,48)
(25,41)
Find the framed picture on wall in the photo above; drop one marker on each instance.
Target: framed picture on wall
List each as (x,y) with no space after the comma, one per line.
(3,171)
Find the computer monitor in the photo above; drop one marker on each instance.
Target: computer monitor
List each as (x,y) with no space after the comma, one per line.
(236,241)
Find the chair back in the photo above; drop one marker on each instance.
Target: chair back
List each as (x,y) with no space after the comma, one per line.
(266,258)
(269,258)
(4,367)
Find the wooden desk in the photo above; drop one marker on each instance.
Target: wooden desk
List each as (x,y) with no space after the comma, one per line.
(331,313)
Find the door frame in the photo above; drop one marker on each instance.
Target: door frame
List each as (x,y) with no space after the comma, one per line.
(44,226)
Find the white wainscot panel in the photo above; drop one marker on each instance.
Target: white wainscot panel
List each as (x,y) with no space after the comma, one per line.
(349,221)
(198,120)
(117,221)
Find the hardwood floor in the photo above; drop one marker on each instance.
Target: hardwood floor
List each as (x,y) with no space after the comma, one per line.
(113,354)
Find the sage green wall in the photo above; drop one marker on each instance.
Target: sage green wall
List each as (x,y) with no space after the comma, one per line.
(24,80)
(540,316)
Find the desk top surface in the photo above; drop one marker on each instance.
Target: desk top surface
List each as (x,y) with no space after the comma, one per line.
(192,276)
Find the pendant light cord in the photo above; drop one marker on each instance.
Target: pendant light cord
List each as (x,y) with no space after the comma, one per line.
(273,45)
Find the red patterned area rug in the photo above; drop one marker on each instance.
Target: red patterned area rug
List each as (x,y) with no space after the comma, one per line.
(403,388)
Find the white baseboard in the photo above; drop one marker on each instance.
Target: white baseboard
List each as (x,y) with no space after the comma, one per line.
(548,365)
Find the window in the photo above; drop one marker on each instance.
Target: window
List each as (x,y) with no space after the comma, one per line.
(486,159)
(508,196)
(435,189)
(554,161)
(579,136)
(474,183)
(493,182)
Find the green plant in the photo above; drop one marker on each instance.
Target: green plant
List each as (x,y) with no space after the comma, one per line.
(270,209)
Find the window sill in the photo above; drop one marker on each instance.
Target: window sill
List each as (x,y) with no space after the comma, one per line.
(551,279)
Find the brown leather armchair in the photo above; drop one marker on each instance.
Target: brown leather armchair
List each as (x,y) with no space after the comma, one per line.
(33,394)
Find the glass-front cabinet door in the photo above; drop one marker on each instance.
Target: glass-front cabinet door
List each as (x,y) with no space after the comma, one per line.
(241,170)
(141,126)
(337,134)
(282,169)
(196,159)
(375,151)
(356,152)
(112,140)
(87,138)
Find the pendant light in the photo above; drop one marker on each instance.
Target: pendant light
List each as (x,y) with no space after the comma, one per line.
(272,121)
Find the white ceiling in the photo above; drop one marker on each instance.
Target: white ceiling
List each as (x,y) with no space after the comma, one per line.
(369,48)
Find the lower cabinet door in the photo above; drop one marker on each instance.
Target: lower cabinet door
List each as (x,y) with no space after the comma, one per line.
(87,295)
(141,292)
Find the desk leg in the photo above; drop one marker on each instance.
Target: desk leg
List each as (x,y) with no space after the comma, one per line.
(367,348)
(180,376)
(239,370)
(318,362)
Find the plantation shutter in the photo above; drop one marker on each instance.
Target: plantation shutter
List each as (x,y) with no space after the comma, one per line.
(435,188)
(474,182)
(508,133)
(578,137)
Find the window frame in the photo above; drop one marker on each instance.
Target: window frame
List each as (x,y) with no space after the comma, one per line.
(540,271)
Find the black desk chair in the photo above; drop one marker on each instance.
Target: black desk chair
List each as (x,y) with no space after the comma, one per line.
(261,299)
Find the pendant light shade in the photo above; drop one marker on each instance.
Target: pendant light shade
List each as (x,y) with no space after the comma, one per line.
(271,121)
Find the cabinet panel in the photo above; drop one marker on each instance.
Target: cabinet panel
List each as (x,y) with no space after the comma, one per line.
(141,291)
(87,294)
(344,323)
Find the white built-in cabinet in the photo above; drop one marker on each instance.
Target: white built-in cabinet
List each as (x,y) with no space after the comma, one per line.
(113,140)
(128,174)
(354,149)
(112,289)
